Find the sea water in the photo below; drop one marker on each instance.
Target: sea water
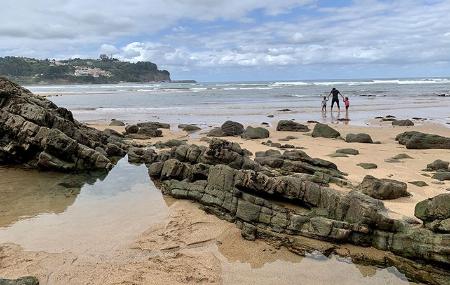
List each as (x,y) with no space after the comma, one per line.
(251,102)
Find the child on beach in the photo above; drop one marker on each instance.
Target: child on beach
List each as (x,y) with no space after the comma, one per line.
(347,103)
(324,104)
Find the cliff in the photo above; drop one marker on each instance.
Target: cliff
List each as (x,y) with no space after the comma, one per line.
(105,70)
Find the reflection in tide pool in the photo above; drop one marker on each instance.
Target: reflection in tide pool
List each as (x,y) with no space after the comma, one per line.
(50,212)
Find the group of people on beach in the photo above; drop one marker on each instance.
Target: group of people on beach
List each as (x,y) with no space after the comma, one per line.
(335,99)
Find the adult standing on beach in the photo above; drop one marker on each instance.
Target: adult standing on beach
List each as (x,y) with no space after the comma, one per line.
(335,98)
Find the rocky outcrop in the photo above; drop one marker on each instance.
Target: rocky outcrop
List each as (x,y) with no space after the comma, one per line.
(358,138)
(291,126)
(418,140)
(255,133)
(383,189)
(286,195)
(37,133)
(230,128)
(324,131)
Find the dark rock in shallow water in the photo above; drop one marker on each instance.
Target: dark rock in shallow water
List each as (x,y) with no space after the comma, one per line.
(418,140)
(324,131)
(291,126)
(366,165)
(350,151)
(37,133)
(438,165)
(189,127)
(28,280)
(383,189)
(358,138)
(255,133)
(215,132)
(118,123)
(230,128)
(403,123)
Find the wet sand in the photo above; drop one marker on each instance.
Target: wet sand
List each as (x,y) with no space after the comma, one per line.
(121,230)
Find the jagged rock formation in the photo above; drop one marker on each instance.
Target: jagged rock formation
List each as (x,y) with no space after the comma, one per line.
(39,134)
(284,196)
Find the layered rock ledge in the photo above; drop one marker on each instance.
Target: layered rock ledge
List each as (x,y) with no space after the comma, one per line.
(37,133)
(287,197)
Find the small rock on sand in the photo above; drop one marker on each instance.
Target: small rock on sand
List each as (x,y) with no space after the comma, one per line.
(367,165)
(350,151)
(418,183)
(290,126)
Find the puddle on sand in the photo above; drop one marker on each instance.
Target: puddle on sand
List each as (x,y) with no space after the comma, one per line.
(93,216)
(51,214)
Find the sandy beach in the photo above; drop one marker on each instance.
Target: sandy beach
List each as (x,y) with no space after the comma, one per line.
(188,246)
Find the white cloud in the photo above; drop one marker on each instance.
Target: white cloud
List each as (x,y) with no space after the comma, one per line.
(367,32)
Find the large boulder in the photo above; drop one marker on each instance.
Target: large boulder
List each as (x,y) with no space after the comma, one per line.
(255,133)
(438,165)
(358,138)
(418,140)
(324,131)
(37,133)
(436,208)
(230,128)
(291,126)
(383,189)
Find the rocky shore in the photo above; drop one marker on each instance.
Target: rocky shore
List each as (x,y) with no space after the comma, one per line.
(285,197)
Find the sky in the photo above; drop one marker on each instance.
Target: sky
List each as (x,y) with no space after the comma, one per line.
(240,40)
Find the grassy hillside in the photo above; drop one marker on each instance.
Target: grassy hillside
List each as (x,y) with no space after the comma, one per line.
(105,70)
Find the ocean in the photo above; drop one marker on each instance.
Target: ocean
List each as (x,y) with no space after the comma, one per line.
(251,102)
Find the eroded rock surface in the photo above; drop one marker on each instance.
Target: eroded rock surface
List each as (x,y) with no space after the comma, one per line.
(285,195)
(37,133)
